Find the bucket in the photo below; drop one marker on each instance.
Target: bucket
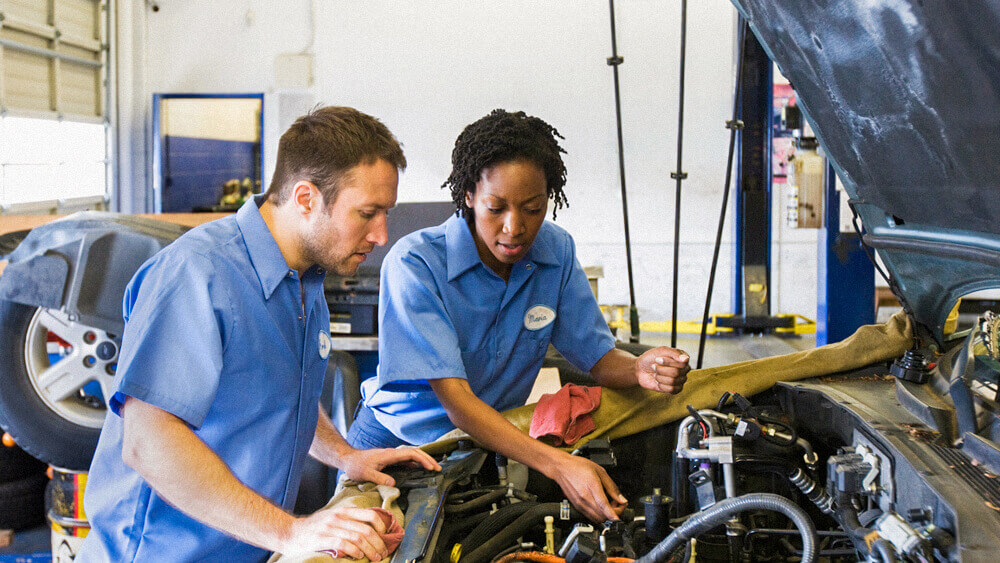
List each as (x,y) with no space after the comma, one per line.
(64,508)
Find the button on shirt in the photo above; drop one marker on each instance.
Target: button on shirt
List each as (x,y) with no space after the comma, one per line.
(445,314)
(218,334)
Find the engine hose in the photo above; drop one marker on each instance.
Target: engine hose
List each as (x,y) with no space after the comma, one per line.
(847,517)
(478,503)
(812,491)
(516,529)
(885,551)
(471,493)
(720,512)
(493,524)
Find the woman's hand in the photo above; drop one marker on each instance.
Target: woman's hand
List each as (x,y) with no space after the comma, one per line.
(588,487)
(662,369)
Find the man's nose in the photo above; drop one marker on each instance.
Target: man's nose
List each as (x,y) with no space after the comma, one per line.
(379,233)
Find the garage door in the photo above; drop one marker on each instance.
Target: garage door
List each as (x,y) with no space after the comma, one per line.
(53,58)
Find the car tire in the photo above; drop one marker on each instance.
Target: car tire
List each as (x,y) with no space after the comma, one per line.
(22,502)
(61,434)
(16,463)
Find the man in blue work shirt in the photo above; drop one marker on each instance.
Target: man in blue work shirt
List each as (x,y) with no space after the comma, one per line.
(467,310)
(222,365)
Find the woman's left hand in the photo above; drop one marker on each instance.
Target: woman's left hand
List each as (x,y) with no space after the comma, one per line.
(662,369)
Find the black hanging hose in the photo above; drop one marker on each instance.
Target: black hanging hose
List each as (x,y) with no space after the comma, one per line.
(884,550)
(494,524)
(721,512)
(613,61)
(734,125)
(679,175)
(481,502)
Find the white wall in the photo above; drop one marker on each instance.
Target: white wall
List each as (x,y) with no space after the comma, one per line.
(428,68)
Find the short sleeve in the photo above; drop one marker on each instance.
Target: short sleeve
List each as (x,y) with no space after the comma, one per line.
(171,355)
(417,339)
(580,334)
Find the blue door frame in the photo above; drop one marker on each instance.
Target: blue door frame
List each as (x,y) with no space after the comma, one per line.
(158,148)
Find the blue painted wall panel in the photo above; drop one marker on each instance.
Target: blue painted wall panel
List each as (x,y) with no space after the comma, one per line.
(195,170)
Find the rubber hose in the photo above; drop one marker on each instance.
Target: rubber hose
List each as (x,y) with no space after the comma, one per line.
(451,530)
(493,524)
(480,502)
(847,517)
(722,511)
(509,535)
(885,551)
(473,493)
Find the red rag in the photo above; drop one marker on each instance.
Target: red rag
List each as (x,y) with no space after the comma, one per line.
(392,536)
(564,415)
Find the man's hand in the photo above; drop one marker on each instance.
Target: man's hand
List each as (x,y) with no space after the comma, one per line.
(365,465)
(662,369)
(588,486)
(352,532)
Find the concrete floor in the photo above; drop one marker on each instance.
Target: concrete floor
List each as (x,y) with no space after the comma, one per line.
(724,350)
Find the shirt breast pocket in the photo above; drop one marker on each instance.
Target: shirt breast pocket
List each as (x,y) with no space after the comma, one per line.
(537,337)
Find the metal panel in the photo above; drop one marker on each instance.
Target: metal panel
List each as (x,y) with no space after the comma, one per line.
(845,277)
(26,77)
(78,18)
(32,11)
(52,57)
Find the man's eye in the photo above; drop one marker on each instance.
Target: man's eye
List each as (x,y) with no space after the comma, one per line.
(367,214)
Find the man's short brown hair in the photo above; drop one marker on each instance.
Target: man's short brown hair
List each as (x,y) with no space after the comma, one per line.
(322,145)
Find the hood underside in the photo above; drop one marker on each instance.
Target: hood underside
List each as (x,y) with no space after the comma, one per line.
(904,97)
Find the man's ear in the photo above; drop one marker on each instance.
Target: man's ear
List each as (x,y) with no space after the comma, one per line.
(306,197)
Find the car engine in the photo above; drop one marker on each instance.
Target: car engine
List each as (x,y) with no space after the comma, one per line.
(848,467)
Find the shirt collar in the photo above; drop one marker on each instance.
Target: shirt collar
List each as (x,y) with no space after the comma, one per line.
(265,256)
(463,255)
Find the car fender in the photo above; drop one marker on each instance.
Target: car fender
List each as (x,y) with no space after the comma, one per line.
(82,264)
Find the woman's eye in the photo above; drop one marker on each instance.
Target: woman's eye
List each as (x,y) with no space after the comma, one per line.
(533,211)
(494,210)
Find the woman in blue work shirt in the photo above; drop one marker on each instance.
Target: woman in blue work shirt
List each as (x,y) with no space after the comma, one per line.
(467,310)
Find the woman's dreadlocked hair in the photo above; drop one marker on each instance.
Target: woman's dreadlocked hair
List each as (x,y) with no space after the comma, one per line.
(499,137)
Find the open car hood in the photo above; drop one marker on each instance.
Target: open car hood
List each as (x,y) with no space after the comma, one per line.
(904,96)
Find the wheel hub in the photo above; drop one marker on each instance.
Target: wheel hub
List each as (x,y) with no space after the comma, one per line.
(71,366)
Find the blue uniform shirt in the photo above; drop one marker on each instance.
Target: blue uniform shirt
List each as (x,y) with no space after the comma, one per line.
(217,332)
(443,313)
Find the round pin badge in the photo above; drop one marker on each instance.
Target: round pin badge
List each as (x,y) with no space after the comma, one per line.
(324,345)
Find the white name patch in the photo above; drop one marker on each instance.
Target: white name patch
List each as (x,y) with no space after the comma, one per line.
(324,345)
(538,317)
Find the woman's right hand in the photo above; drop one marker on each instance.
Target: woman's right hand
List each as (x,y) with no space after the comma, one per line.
(588,487)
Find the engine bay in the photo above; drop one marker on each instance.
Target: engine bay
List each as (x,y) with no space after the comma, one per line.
(847,467)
